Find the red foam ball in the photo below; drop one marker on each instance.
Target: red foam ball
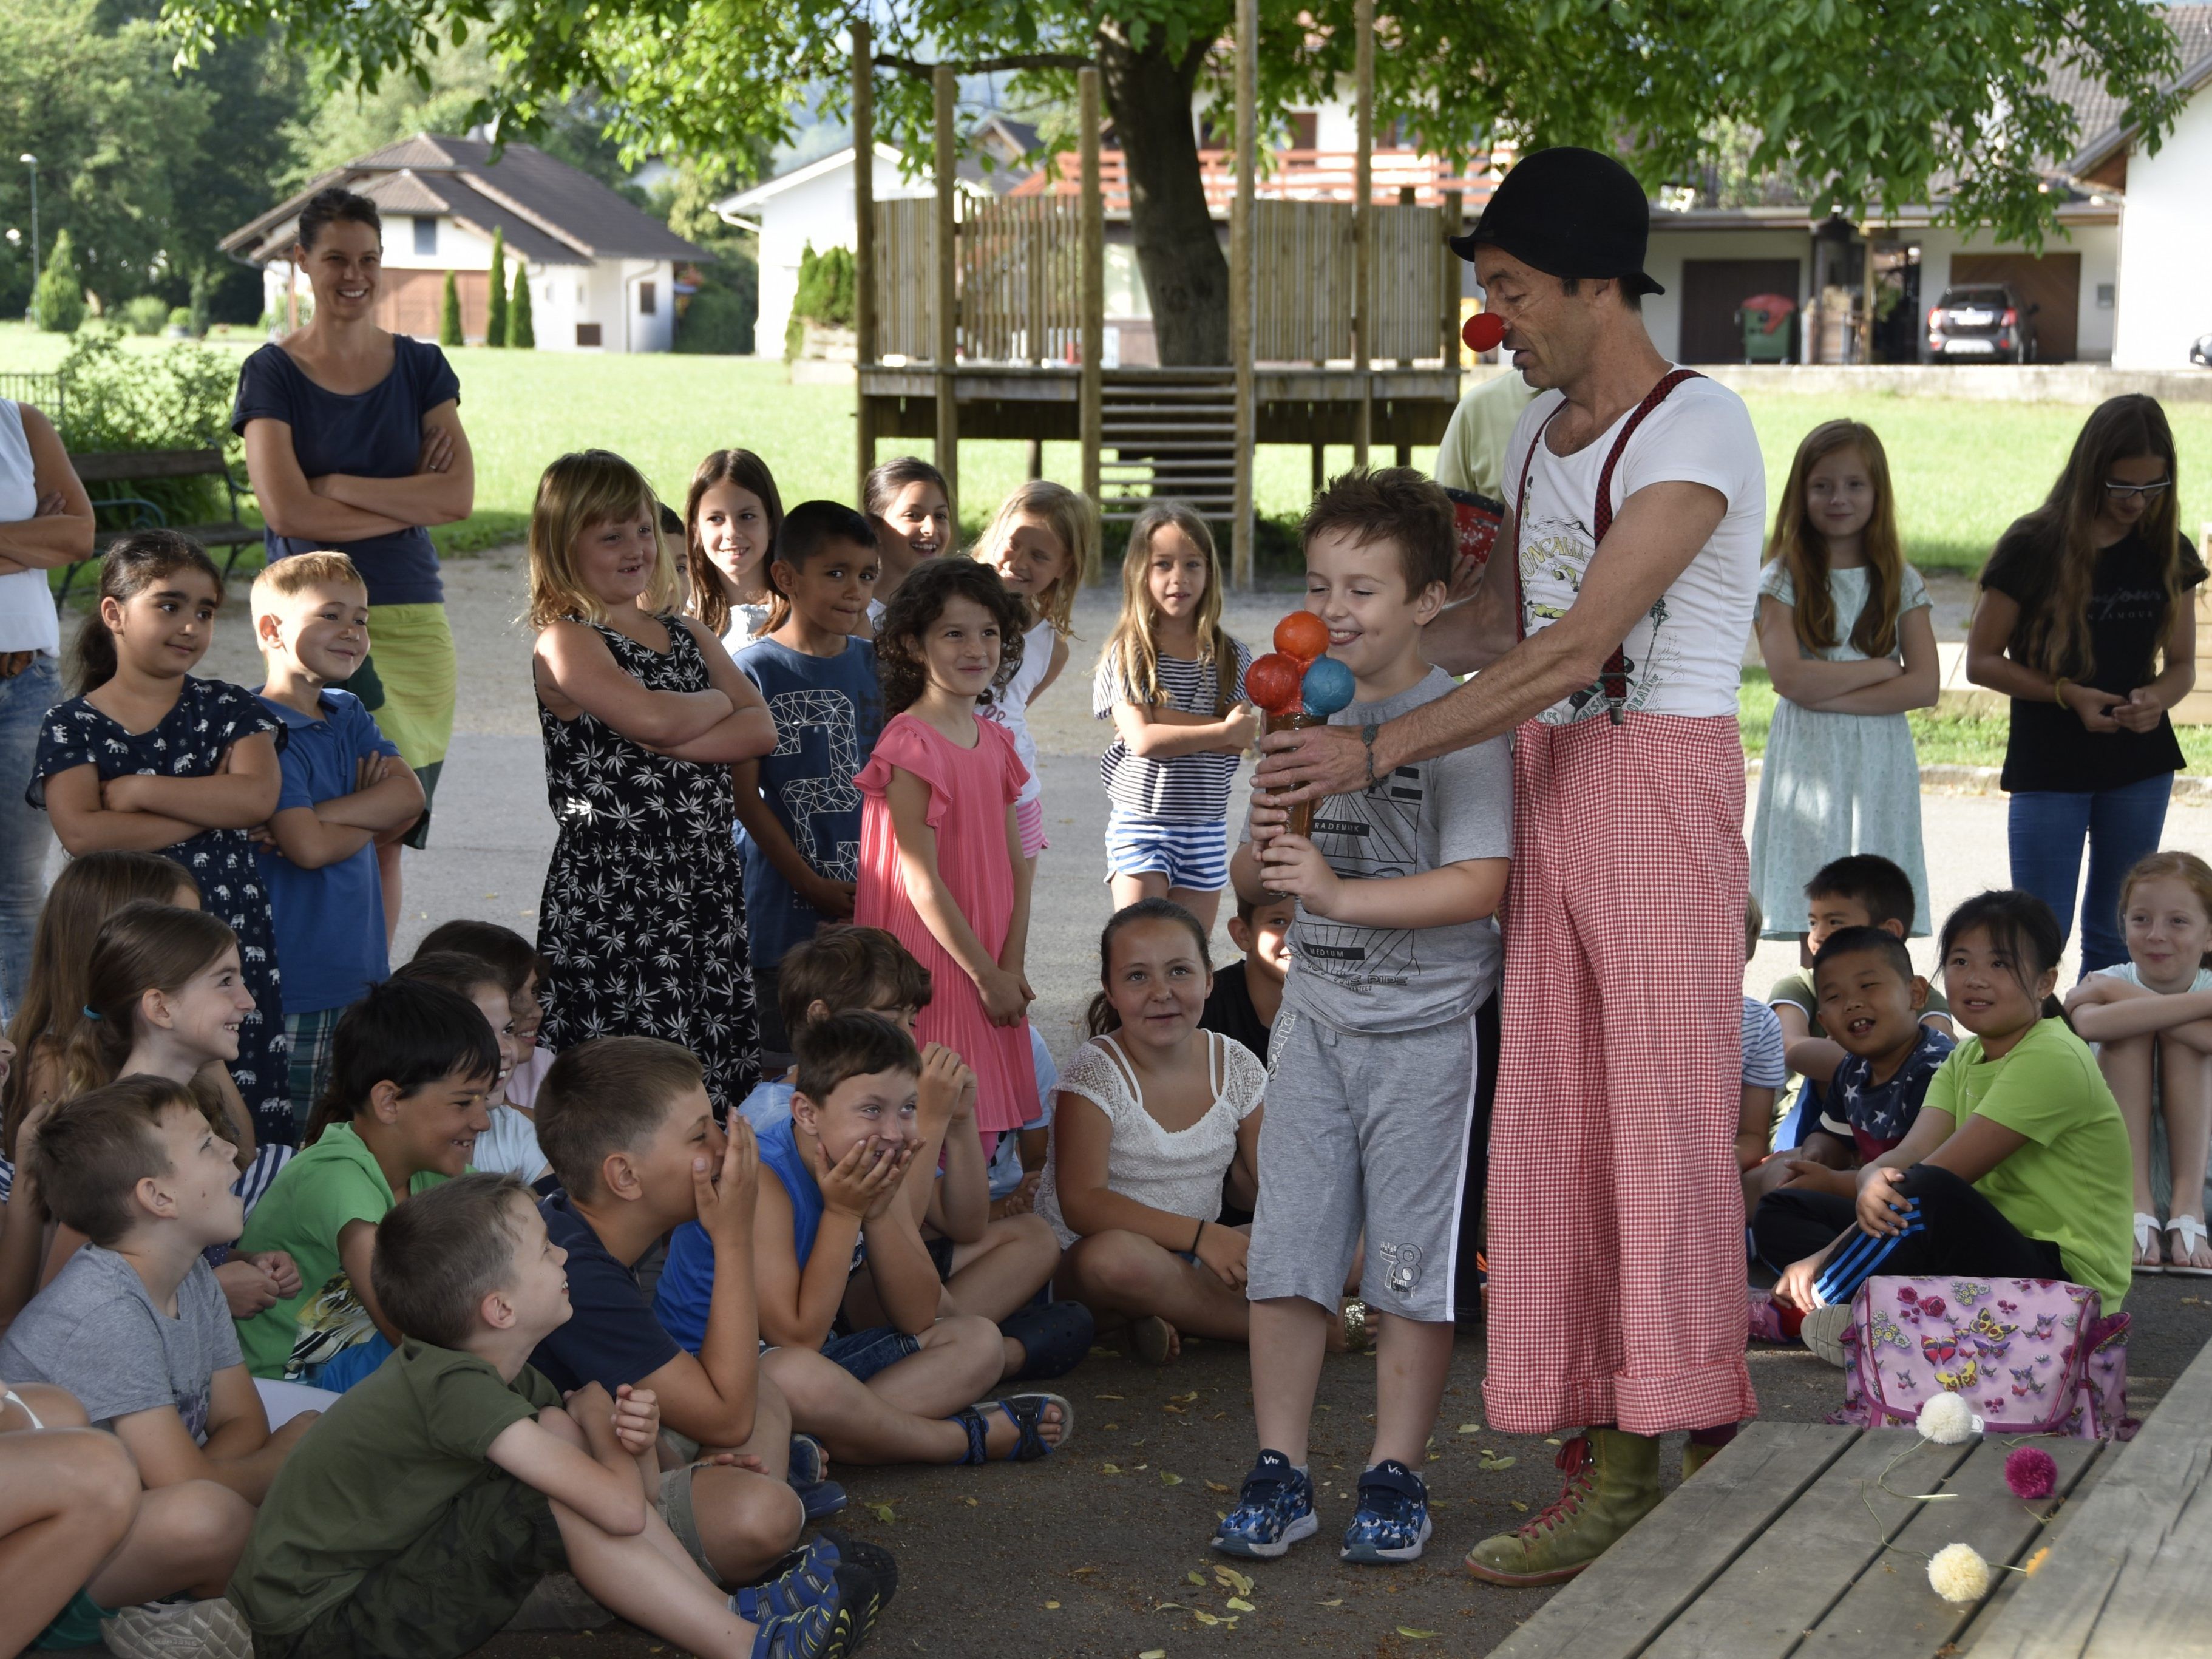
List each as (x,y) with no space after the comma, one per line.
(1302,634)
(1483,331)
(1275,682)
(2030,1473)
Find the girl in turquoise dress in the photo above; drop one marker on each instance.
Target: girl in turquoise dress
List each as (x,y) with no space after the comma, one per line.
(1843,625)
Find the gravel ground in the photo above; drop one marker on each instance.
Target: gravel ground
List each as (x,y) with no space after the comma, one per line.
(1077,1555)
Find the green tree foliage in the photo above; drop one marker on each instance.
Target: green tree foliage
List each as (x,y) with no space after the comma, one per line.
(57,305)
(177,398)
(521,334)
(495,311)
(147,314)
(825,287)
(449,314)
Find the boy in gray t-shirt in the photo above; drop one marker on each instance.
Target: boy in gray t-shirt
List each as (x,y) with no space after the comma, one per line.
(1373,1064)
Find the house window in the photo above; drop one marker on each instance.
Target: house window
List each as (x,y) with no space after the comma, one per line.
(647,302)
(426,235)
(588,334)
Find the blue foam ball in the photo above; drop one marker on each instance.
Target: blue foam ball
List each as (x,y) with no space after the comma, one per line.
(1327,687)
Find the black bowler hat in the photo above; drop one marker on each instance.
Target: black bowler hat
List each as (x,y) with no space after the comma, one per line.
(1569,212)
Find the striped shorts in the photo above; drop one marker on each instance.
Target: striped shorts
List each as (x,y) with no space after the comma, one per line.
(1191,852)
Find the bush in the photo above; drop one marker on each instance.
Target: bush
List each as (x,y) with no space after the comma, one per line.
(57,304)
(496,312)
(177,398)
(183,318)
(717,322)
(521,335)
(146,314)
(826,286)
(449,314)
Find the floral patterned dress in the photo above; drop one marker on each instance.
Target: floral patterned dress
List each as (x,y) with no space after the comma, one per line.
(189,742)
(642,924)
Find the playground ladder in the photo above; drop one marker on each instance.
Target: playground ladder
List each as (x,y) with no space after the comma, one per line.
(1168,433)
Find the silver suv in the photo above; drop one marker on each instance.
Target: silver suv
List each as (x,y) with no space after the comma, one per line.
(1981,322)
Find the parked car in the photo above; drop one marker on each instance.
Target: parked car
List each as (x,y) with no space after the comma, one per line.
(1981,322)
(2201,353)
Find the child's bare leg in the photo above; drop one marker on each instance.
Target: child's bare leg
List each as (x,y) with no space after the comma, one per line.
(1413,1361)
(860,1425)
(387,870)
(1003,1268)
(1204,906)
(2128,1066)
(67,1500)
(959,1360)
(1289,1335)
(2185,1092)
(649,1579)
(1127,1274)
(746,1521)
(186,1537)
(1144,884)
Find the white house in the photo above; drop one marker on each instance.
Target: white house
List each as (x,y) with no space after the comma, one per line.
(603,273)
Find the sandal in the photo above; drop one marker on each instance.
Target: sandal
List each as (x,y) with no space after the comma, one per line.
(1026,1412)
(1055,1338)
(2147,1230)
(2191,1229)
(1153,1338)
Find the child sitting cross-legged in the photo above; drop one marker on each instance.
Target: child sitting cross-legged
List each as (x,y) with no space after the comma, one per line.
(633,1140)
(2016,1165)
(409,1067)
(837,1201)
(433,1499)
(135,1327)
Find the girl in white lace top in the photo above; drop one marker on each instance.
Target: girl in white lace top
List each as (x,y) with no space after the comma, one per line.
(1152,1113)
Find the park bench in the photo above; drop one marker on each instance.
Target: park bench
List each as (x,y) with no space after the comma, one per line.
(1776,1549)
(117,515)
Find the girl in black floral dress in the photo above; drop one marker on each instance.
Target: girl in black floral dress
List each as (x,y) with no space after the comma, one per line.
(147,758)
(642,924)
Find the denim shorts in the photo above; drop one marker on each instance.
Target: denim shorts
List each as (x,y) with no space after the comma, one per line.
(879,1348)
(1191,852)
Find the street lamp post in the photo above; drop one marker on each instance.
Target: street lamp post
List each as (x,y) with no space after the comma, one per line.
(31,163)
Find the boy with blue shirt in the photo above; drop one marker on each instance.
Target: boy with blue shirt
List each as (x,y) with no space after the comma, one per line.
(1377,1051)
(346,791)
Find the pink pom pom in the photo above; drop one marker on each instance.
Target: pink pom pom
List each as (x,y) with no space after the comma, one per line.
(2030,1473)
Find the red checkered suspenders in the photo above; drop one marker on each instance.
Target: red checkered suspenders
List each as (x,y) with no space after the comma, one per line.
(1613,680)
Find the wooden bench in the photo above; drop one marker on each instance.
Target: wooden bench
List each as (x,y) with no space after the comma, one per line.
(136,513)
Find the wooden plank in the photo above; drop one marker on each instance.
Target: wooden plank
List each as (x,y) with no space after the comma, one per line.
(1799,1567)
(1891,1612)
(1645,1581)
(946,303)
(2128,1580)
(1363,224)
(1090,391)
(1243,280)
(864,243)
(129,466)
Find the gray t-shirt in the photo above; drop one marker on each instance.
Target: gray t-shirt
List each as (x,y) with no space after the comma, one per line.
(95,1332)
(1434,812)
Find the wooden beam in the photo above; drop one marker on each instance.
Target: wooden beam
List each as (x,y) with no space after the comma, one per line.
(1242,277)
(1091,392)
(947,297)
(863,246)
(1449,287)
(1362,219)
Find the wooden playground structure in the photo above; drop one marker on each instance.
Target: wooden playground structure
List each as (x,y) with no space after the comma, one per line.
(987,320)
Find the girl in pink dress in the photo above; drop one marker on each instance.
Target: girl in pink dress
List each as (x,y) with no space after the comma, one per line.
(941,864)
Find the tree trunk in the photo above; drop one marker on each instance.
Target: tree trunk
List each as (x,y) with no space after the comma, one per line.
(1178,250)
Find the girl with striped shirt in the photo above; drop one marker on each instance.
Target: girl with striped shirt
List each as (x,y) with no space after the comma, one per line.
(1172,680)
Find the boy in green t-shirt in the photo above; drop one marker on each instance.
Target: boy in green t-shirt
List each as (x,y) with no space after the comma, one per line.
(432,1500)
(411,1064)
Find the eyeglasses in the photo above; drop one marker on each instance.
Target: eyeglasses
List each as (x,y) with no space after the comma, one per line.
(2121,492)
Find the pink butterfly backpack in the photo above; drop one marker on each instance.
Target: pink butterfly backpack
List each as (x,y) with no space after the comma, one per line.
(2030,1356)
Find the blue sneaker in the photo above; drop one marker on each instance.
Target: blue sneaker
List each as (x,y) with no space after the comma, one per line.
(808,1577)
(1392,1522)
(830,1628)
(1274,1511)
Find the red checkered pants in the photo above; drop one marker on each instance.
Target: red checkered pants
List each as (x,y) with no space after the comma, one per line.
(1616,1222)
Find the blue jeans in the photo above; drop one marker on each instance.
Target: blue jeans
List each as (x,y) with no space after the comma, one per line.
(2122,825)
(26,834)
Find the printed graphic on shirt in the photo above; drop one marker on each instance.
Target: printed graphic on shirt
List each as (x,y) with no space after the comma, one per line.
(1370,836)
(830,713)
(1555,553)
(329,1323)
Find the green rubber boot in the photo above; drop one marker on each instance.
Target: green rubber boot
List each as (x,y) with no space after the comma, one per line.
(1613,1482)
(1695,1457)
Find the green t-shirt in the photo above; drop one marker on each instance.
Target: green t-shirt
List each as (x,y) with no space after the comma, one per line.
(335,1181)
(380,1470)
(2072,1185)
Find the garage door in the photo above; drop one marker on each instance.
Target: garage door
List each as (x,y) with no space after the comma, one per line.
(2053,281)
(408,301)
(1711,291)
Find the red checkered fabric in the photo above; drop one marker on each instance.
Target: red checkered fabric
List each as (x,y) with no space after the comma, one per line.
(1616,1220)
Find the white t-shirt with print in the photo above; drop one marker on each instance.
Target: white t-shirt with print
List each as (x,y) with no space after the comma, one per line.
(1684,655)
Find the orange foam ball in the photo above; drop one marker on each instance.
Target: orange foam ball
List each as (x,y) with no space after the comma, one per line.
(1302,634)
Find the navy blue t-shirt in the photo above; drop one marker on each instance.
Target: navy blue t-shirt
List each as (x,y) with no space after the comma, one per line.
(612,1337)
(376,434)
(1875,1116)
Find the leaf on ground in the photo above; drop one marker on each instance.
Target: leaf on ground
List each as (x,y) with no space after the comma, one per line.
(883,1513)
(1153,1653)
(1167,1480)
(1185,1399)
(1105,1396)
(1109,1468)
(1230,1578)
(1171,1406)
(1141,1467)
(1519,1505)
(1077,1572)
(969,1501)
(1238,1604)
(1162,1606)
(1113,1426)
(1216,1485)
(1197,1578)
(1106,1353)
(1411,1634)
(1491,1462)
(1550,1440)
(1204,1618)
(1470,1428)
(1052,1606)
(1334,1601)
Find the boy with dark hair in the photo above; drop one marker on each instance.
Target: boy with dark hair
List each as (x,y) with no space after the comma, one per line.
(135,1327)
(1247,994)
(435,1498)
(1376,1055)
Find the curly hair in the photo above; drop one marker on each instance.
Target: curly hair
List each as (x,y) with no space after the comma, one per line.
(914,610)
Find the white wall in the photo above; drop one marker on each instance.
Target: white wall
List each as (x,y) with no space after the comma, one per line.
(819,211)
(1667,249)
(2166,261)
(2098,245)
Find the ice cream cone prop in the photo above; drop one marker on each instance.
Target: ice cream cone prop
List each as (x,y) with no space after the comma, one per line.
(1301,812)
(1297,687)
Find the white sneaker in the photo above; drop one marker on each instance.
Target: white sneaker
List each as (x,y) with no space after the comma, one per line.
(1823,1332)
(180,1630)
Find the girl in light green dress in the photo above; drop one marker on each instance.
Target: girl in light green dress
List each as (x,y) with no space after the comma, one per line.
(1843,625)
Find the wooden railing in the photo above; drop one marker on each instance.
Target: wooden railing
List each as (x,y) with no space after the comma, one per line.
(1291,175)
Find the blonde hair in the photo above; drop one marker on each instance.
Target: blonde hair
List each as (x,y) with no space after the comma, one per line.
(1072,520)
(289,577)
(1803,550)
(1131,646)
(2185,867)
(580,489)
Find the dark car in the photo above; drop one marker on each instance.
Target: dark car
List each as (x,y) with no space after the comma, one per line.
(1981,322)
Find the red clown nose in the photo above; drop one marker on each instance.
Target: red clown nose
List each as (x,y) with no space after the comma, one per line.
(1483,332)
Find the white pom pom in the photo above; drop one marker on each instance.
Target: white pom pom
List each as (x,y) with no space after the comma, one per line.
(1959,1573)
(1947,1420)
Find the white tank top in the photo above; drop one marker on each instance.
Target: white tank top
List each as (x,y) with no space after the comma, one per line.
(27,622)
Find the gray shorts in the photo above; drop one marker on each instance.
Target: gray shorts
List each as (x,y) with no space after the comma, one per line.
(1363,1131)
